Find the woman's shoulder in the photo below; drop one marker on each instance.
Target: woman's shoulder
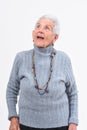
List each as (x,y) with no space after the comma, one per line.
(24,53)
(63,54)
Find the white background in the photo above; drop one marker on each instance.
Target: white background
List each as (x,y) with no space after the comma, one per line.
(17,19)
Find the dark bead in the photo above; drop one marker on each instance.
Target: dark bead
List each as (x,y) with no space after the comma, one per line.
(54,53)
(36,86)
(46,90)
(51,56)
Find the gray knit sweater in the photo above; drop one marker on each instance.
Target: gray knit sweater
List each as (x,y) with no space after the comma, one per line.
(57,108)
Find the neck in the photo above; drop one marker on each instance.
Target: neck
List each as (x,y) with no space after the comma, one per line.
(42,50)
(45,46)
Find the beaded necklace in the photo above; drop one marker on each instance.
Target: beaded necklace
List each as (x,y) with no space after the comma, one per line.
(44,89)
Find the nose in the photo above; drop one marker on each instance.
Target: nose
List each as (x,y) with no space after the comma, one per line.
(41,29)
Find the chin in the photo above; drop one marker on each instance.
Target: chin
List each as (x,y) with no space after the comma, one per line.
(40,45)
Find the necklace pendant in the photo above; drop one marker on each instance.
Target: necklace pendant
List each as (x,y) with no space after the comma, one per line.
(37,87)
(40,88)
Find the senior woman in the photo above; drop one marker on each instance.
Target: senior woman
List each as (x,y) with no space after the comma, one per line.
(44,81)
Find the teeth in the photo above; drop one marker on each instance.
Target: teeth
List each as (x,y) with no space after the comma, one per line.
(40,37)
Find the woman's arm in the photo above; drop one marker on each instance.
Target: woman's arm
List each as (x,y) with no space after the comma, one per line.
(13,89)
(71,90)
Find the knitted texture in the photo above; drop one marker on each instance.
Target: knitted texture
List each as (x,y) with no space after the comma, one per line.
(57,108)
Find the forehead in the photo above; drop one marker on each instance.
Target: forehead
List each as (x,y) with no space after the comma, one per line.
(45,21)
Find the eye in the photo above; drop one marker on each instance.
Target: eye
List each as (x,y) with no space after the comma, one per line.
(37,26)
(47,28)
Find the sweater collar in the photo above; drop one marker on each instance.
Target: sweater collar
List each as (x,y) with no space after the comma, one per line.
(45,51)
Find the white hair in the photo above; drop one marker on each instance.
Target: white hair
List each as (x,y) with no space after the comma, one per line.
(56,28)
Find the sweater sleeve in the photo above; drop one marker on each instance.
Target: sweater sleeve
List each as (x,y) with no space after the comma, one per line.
(72,93)
(13,89)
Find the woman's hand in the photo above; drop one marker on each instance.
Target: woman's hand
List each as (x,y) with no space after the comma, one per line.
(14,124)
(72,127)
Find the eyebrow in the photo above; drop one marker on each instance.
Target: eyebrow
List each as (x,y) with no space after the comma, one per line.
(45,25)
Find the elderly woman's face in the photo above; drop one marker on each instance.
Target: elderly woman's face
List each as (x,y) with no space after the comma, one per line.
(43,33)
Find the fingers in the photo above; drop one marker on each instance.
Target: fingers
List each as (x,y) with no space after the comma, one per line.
(19,128)
(14,126)
(72,127)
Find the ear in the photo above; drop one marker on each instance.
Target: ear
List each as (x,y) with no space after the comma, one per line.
(56,37)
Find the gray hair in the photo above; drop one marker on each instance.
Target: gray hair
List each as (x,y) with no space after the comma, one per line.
(56,28)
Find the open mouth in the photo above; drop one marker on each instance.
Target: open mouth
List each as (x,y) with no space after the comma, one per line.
(40,37)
